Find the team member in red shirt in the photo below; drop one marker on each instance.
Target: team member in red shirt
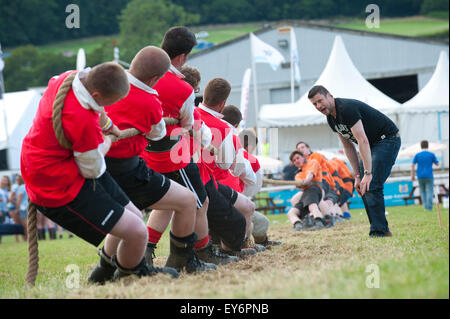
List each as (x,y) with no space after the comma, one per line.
(248,139)
(141,110)
(228,210)
(171,154)
(69,184)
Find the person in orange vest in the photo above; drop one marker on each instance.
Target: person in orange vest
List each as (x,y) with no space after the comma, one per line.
(347,189)
(306,215)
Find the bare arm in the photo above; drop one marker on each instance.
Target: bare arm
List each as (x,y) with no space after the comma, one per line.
(364,151)
(413,171)
(350,152)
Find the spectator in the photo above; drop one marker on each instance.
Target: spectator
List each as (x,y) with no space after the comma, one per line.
(425,160)
(11,205)
(21,206)
(289,171)
(5,186)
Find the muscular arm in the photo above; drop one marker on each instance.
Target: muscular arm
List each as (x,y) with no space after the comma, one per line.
(350,152)
(413,171)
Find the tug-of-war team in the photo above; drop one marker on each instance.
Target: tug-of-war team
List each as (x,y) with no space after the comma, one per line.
(189,165)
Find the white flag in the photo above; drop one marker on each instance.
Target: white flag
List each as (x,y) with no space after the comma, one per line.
(2,64)
(244,95)
(294,56)
(81,60)
(264,53)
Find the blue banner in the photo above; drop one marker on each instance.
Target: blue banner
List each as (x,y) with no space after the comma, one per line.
(393,196)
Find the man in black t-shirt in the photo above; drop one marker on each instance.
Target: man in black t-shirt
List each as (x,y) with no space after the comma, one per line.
(378,141)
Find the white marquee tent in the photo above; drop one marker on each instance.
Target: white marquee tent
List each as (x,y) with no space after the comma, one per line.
(17,111)
(301,121)
(428,110)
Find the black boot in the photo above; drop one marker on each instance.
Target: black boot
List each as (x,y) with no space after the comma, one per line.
(52,233)
(41,234)
(210,255)
(150,253)
(183,257)
(104,271)
(141,270)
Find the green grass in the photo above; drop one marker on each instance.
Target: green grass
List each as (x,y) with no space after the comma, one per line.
(89,44)
(412,26)
(330,263)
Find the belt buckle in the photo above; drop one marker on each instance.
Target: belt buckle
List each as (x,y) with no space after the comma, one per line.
(383,137)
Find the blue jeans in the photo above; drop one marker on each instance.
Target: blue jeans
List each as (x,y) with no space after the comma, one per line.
(384,154)
(426,192)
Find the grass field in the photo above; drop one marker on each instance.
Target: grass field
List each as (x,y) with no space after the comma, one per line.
(411,26)
(89,44)
(332,263)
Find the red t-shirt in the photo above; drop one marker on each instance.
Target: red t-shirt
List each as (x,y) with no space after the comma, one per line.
(51,175)
(173,93)
(140,110)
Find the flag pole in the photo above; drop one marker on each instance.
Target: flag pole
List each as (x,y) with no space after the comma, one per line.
(255,93)
(292,72)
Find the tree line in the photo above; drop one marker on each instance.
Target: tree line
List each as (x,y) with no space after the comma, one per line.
(39,22)
(27,23)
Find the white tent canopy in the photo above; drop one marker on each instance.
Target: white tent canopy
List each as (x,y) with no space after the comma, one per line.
(412,150)
(17,111)
(434,96)
(425,116)
(342,79)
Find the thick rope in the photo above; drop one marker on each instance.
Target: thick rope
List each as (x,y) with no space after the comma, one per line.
(171,120)
(282,182)
(58,105)
(33,251)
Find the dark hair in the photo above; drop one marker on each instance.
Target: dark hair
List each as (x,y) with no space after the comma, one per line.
(317,89)
(301,142)
(217,91)
(424,144)
(248,138)
(178,40)
(295,153)
(232,115)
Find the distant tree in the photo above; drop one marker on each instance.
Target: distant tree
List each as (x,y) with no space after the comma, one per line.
(144,23)
(429,6)
(28,67)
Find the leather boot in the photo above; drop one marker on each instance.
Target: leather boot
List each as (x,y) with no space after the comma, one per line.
(104,270)
(141,270)
(183,257)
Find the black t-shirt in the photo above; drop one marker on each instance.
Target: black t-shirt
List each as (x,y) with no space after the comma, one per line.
(289,172)
(349,111)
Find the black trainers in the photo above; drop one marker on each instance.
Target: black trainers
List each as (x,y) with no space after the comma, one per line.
(269,243)
(308,223)
(104,271)
(248,243)
(319,224)
(150,253)
(142,270)
(209,254)
(330,220)
(299,225)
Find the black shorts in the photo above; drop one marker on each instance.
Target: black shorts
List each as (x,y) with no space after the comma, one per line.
(225,221)
(332,195)
(311,195)
(227,192)
(189,177)
(143,185)
(344,197)
(93,213)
